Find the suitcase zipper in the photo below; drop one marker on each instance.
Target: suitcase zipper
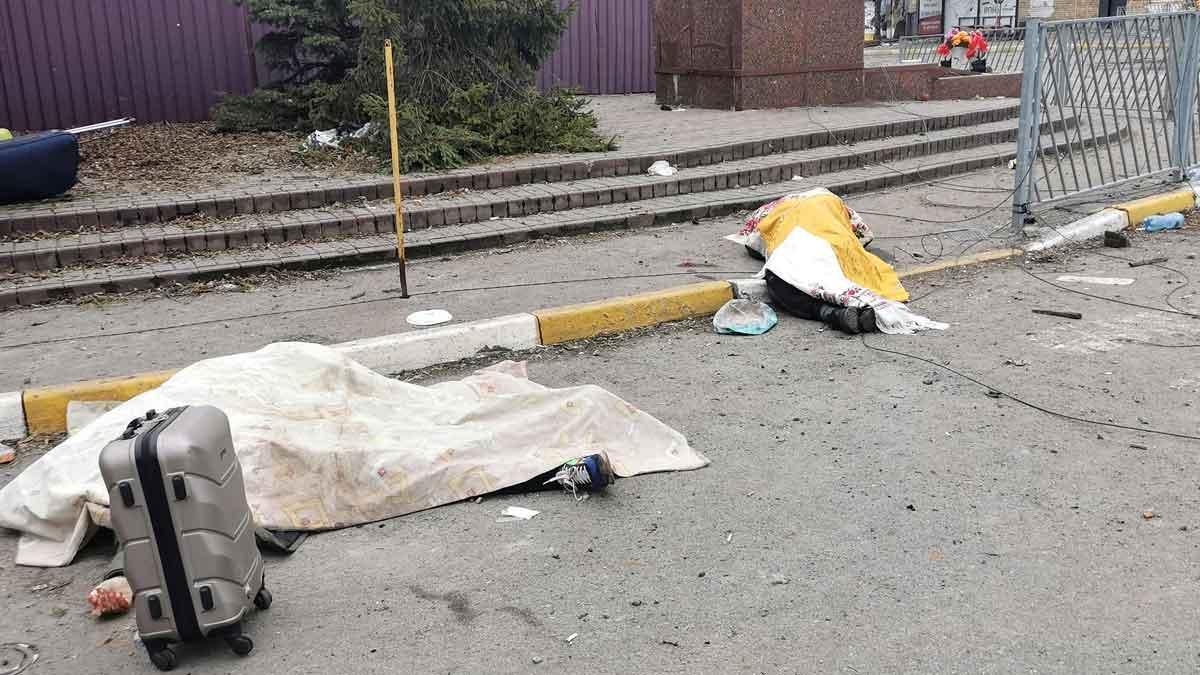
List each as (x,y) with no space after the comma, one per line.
(150,475)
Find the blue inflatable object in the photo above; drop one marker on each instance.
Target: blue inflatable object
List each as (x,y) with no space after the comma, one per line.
(38,166)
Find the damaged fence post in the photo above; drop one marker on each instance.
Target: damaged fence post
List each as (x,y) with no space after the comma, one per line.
(1028,129)
(1182,155)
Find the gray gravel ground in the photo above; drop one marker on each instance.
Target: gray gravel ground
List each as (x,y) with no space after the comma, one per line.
(864,513)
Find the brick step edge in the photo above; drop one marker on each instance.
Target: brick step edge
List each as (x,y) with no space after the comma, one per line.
(50,255)
(345,253)
(225,205)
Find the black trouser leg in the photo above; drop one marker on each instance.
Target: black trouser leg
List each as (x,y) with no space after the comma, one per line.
(791,300)
(805,306)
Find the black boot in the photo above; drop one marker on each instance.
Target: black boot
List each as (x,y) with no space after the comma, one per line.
(844,319)
(866,320)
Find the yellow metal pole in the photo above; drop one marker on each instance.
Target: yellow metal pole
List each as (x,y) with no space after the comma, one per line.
(398,198)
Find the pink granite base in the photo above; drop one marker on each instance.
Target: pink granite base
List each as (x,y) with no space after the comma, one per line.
(891,83)
(784,53)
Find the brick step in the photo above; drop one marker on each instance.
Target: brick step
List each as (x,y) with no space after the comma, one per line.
(316,193)
(358,249)
(46,255)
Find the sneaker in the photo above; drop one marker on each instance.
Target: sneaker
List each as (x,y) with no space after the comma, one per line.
(590,473)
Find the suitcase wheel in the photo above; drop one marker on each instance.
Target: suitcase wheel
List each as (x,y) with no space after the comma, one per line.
(240,644)
(263,599)
(162,656)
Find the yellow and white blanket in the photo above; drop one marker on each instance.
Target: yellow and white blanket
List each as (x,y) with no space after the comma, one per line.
(811,240)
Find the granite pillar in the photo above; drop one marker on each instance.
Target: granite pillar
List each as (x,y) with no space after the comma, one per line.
(758,53)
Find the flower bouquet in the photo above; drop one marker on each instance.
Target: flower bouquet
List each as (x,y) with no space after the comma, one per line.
(961,50)
(977,50)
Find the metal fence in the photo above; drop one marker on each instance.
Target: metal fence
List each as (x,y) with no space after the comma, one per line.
(1006,49)
(65,63)
(605,50)
(1105,102)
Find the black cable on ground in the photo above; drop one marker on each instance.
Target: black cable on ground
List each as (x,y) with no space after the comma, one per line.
(1028,404)
(1101,297)
(353,303)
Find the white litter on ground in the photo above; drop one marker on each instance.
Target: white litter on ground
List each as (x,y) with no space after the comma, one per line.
(1100,281)
(512,513)
(429,317)
(662,168)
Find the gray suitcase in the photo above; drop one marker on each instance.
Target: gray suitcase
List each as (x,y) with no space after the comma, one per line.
(179,508)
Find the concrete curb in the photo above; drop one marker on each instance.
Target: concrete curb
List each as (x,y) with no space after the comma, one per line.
(420,349)
(1119,217)
(12,417)
(616,315)
(43,411)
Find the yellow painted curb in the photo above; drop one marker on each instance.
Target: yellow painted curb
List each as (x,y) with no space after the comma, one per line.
(46,409)
(985,256)
(1141,209)
(576,322)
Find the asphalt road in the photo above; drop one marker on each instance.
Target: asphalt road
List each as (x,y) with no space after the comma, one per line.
(864,512)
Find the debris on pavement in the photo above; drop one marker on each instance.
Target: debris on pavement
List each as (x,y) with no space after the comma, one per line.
(662,168)
(1148,261)
(512,513)
(17,657)
(7,454)
(779,580)
(339,411)
(1158,223)
(429,317)
(111,596)
(745,317)
(1099,281)
(1149,515)
(1054,312)
(571,637)
(1138,446)
(333,138)
(1116,239)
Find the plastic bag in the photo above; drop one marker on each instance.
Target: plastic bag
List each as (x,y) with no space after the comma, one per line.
(1158,223)
(662,168)
(745,317)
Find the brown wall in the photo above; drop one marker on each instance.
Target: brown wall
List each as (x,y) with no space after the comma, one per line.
(1076,9)
(1063,9)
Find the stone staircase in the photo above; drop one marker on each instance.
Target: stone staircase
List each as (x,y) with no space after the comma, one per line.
(63,252)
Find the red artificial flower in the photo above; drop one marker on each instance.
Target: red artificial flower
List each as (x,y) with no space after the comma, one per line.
(978,46)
